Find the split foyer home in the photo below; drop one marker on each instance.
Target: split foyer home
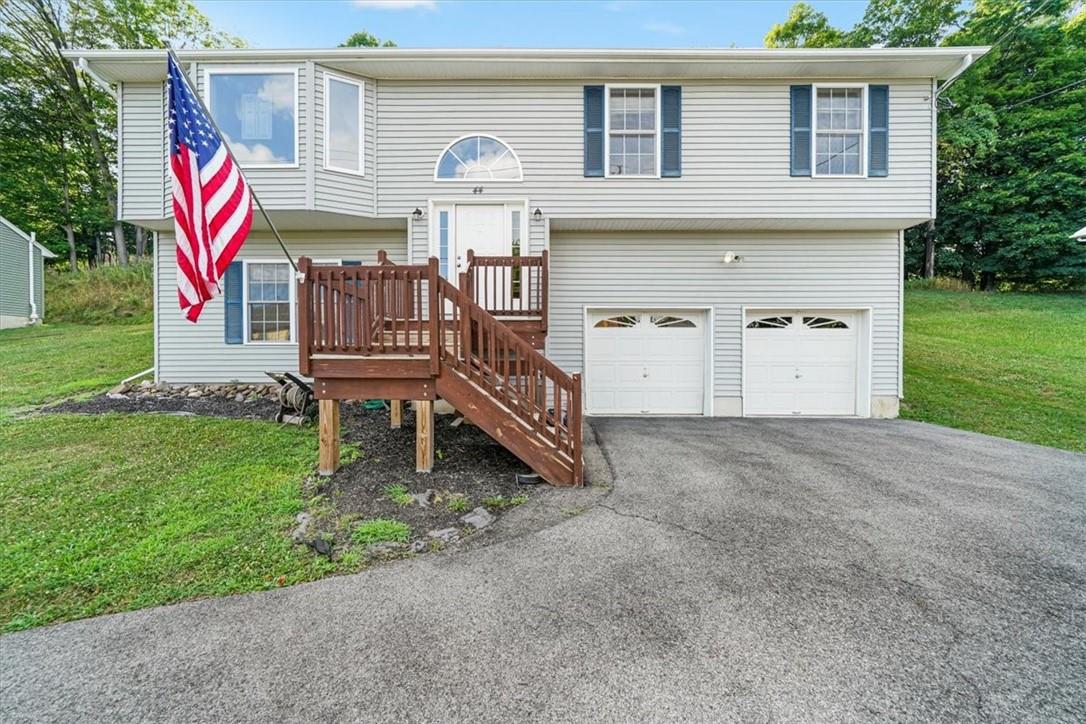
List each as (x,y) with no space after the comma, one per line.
(618,232)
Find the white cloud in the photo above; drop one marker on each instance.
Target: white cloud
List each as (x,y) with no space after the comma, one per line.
(279,91)
(396,4)
(257,153)
(664,27)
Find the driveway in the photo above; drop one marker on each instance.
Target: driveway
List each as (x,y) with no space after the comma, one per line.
(755,570)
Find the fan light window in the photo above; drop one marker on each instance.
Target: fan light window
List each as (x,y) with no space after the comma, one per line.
(625,320)
(478,158)
(770,323)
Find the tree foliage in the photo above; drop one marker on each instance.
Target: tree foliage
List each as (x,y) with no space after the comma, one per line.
(57,127)
(1012,134)
(365,39)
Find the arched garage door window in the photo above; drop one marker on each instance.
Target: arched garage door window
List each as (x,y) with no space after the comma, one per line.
(478,158)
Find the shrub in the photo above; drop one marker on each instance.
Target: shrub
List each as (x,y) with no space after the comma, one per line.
(379,530)
(102,295)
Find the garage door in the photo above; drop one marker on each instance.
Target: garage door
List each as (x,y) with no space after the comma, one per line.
(645,363)
(800,362)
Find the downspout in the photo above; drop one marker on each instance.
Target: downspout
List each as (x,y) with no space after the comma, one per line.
(30,276)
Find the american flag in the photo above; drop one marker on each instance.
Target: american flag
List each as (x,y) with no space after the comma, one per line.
(212,203)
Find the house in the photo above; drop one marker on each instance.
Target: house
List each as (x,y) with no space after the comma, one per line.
(22,277)
(1080,235)
(624,232)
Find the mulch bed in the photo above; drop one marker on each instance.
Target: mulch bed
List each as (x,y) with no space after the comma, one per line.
(212,406)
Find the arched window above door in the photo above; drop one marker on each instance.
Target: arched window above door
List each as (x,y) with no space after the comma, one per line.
(478,158)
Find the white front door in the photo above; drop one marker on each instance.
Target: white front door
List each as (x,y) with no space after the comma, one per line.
(644,362)
(483,229)
(801,362)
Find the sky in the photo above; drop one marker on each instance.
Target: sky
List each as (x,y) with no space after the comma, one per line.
(510,24)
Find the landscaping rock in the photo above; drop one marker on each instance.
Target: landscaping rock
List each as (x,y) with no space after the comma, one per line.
(478,518)
(321,546)
(445,535)
(425,499)
(419,546)
(239,397)
(305,520)
(384,548)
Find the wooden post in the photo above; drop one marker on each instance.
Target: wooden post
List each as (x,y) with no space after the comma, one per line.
(329,437)
(396,406)
(424,436)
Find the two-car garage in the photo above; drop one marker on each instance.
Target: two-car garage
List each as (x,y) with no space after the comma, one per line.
(660,361)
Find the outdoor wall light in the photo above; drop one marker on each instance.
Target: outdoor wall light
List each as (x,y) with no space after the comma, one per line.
(730,257)
(537,214)
(417,214)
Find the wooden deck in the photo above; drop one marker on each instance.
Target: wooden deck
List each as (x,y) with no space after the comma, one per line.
(404,333)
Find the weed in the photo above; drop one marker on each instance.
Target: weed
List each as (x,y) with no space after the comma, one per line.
(379,530)
(458,503)
(570,512)
(500,501)
(398,494)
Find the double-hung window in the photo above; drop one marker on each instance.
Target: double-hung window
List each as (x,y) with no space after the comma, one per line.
(343,124)
(633,116)
(839,129)
(256,110)
(268,302)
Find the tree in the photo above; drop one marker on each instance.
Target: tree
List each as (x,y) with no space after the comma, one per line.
(804,28)
(68,118)
(365,39)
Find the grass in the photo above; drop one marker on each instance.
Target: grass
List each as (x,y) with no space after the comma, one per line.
(380,530)
(118,512)
(55,361)
(103,295)
(1008,364)
(458,503)
(499,502)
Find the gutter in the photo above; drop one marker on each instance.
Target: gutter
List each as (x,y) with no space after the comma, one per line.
(964,66)
(31,243)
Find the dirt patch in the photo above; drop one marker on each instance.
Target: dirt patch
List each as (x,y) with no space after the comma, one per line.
(213,406)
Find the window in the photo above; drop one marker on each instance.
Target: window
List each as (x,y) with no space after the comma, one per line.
(632,115)
(839,131)
(666,320)
(443,243)
(256,111)
(770,323)
(343,124)
(515,250)
(478,158)
(622,322)
(823,323)
(268,301)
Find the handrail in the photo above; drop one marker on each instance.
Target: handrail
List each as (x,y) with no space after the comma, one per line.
(510,286)
(493,356)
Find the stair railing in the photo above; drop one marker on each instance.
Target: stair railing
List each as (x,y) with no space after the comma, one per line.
(509,286)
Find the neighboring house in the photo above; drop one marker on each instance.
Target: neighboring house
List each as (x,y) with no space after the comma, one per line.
(22,277)
(1080,235)
(724,227)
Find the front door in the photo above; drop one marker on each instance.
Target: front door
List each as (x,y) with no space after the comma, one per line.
(483,229)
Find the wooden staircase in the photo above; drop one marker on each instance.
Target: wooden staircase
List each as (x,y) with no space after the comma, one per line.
(403,332)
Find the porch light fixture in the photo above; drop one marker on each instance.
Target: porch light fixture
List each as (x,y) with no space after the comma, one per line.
(417,214)
(730,257)
(537,214)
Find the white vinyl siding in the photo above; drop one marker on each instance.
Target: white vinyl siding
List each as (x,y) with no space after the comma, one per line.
(634,270)
(142,185)
(198,353)
(335,191)
(735,137)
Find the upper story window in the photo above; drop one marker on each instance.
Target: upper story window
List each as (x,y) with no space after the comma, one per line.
(343,124)
(633,131)
(839,131)
(478,158)
(257,112)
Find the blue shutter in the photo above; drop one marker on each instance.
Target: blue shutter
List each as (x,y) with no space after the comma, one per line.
(878,135)
(235,314)
(801,130)
(352,263)
(671,128)
(593,130)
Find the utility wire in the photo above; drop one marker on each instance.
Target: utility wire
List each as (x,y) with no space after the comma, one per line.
(1054,91)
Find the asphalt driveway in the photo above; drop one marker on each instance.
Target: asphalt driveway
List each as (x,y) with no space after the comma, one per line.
(755,570)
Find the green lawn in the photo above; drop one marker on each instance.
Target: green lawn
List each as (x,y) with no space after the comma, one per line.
(117,512)
(54,361)
(1012,365)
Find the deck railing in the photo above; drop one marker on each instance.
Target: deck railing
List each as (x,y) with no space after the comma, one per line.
(509,286)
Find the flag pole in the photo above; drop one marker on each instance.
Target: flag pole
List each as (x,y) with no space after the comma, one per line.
(226,144)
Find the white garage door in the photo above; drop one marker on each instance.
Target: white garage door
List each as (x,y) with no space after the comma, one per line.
(800,362)
(646,362)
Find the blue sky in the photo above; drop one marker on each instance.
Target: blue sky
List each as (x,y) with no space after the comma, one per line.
(478,23)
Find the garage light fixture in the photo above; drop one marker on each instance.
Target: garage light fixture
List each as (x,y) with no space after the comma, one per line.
(730,257)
